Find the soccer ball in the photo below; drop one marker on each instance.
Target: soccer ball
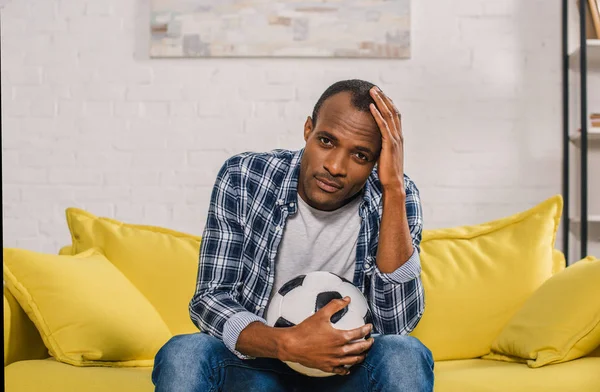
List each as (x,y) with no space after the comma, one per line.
(304,295)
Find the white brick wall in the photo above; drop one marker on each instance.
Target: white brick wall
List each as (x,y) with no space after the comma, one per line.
(90,121)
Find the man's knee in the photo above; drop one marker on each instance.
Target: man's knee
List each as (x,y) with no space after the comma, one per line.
(185,360)
(400,363)
(191,347)
(402,350)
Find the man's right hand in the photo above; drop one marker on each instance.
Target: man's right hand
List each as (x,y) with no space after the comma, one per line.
(316,344)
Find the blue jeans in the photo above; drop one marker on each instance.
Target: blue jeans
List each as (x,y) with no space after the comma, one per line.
(201,363)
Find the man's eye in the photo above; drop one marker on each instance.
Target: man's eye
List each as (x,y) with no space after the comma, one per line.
(362,156)
(324,140)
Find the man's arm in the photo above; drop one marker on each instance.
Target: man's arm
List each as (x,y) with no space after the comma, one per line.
(400,232)
(395,243)
(214,307)
(261,341)
(397,296)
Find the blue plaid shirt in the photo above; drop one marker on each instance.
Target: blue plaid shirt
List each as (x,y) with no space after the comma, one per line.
(253,195)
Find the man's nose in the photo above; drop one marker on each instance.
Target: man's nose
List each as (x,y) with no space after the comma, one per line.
(335,164)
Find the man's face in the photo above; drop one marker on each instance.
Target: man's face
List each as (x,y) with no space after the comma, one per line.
(341,151)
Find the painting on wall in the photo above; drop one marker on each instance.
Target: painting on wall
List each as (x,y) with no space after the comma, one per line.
(280,28)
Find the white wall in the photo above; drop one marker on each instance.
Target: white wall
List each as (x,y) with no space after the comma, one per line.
(90,121)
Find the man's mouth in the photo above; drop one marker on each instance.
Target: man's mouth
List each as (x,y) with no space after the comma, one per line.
(327,186)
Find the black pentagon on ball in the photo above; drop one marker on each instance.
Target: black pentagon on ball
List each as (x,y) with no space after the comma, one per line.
(283,323)
(292,284)
(324,298)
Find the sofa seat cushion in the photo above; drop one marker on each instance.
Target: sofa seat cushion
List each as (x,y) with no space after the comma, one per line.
(467,375)
(51,376)
(480,375)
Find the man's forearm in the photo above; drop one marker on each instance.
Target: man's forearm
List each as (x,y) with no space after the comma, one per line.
(261,341)
(395,243)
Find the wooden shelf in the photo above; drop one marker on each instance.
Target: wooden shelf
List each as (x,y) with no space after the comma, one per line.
(593,55)
(593,227)
(593,136)
(591,219)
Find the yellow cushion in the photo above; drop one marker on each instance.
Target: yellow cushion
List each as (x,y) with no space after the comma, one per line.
(51,376)
(87,312)
(161,263)
(476,278)
(559,262)
(558,323)
(22,340)
(66,250)
(477,375)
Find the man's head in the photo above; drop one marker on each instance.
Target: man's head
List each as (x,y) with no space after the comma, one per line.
(343,143)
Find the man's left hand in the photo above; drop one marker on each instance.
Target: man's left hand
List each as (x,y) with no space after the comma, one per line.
(390,165)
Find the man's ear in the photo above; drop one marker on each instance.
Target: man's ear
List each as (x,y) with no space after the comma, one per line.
(308,127)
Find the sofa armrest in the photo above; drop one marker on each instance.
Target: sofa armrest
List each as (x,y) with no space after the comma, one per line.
(21,339)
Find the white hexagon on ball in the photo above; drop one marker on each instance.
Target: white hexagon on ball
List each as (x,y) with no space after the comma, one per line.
(301,297)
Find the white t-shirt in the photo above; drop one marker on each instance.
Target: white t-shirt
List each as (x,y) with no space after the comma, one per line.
(315,240)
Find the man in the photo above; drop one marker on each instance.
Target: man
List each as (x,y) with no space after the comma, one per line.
(276,215)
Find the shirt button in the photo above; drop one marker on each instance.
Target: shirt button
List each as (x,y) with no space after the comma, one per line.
(257,307)
(292,204)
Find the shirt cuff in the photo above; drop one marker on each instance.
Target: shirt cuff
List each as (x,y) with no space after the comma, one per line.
(234,326)
(405,273)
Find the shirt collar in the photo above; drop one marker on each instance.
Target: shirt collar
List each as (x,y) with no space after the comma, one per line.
(288,193)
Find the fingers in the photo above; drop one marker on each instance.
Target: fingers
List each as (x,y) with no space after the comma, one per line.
(352,360)
(334,306)
(357,348)
(357,333)
(388,110)
(386,133)
(340,370)
(388,105)
(341,365)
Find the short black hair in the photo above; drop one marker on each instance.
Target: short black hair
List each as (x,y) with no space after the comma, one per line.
(361,98)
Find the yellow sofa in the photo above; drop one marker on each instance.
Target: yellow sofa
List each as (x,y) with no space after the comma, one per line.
(474,277)
(29,369)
